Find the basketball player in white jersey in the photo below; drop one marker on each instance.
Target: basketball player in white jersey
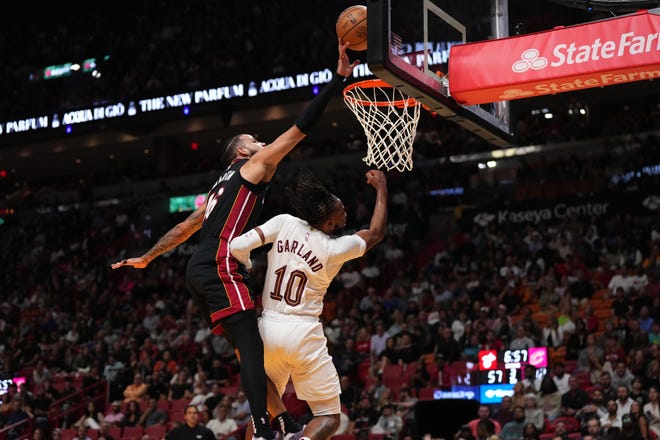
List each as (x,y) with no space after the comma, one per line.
(304,259)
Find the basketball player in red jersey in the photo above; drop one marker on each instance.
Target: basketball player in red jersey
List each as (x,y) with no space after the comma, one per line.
(217,282)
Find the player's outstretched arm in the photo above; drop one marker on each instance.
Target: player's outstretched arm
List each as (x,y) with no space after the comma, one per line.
(262,165)
(174,237)
(378,225)
(241,246)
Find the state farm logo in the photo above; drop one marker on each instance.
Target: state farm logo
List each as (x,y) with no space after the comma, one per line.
(530,59)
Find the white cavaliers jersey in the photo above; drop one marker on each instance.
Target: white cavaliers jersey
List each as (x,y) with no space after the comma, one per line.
(302,263)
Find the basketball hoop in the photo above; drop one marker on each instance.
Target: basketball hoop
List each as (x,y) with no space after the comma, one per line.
(389,119)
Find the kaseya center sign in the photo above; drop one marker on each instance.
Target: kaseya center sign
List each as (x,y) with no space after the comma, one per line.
(597,54)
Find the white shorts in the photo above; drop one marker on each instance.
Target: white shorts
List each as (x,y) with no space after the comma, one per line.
(295,347)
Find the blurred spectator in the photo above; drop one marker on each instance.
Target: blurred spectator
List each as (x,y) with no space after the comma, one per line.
(639,421)
(464,433)
(504,413)
(91,418)
(652,411)
(362,418)
(40,373)
(612,419)
(17,412)
(104,431)
(519,393)
(609,392)
(133,414)
(486,430)
(629,428)
(215,396)
(621,376)
(115,417)
(389,423)
(378,340)
(623,400)
(181,386)
(530,432)
(560,377)
(483,413)
(533,414)
(39,434)
(190,428)
(522,340)
(531,382)
(240,409)
(595,430)
(136,390)
(550,397)
(203,393)
(221,424)
(560,430)
(153,415)
(82,433)
(574,399)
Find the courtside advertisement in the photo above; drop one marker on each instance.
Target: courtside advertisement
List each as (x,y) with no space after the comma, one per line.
(597,54)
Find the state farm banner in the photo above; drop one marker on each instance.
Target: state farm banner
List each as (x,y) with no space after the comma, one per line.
(601,53)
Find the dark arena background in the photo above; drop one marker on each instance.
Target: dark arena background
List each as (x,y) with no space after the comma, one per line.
(519,275)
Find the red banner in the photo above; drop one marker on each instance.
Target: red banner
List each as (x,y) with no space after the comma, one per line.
(597,54)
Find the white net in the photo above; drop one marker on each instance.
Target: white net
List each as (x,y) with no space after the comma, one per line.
(389,119)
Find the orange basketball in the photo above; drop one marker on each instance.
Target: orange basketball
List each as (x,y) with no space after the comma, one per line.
(352,27)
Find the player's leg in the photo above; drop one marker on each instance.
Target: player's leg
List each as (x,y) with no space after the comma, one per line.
(277,378)
(278,411)
(316,381)
(241,329)
(325,421)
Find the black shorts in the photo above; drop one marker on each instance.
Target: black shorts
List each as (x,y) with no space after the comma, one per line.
(220,288)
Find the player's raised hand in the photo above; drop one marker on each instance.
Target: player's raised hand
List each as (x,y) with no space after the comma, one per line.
(344,65)
(138,263)
(376,178)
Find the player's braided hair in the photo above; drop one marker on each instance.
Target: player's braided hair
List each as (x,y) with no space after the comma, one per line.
(229,151)
(310,200)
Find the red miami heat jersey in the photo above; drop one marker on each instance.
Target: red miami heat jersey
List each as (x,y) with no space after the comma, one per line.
(218,282)
(233,206)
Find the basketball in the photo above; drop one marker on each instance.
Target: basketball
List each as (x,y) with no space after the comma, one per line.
(352,27)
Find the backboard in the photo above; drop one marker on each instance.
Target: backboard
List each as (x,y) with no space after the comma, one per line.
(409,43)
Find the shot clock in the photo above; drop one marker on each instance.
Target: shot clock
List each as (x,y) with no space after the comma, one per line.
(495,374)
(500,370)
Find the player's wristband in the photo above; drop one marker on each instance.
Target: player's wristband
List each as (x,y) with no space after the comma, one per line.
(313,112)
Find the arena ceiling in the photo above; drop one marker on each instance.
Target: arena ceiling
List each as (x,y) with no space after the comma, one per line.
(149,144)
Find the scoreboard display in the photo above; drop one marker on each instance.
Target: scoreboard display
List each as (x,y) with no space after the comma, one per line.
(500,370)
(496,372)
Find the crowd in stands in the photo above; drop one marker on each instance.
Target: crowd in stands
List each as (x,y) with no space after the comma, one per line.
(418,307)
(587,288)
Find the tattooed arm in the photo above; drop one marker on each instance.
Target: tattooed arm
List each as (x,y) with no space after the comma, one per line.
(174,237)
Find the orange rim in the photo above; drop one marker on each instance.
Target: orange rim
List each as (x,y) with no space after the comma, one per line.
(372,84)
